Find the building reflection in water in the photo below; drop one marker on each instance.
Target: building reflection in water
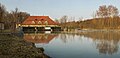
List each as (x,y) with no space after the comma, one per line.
(39,38)
(106,42)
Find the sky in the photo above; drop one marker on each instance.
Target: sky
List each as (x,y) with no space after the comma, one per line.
(58,8)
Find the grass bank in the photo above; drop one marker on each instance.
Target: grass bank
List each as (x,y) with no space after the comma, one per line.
(14,47)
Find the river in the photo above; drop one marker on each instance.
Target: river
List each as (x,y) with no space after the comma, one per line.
(96,44)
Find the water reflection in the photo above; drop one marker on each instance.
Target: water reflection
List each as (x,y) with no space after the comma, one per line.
(106,42)
(78,45)
(39,37)
(65,38)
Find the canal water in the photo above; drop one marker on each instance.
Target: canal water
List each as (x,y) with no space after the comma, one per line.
(98,44)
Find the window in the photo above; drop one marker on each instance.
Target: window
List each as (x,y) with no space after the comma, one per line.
(48,28)
(46,23)
(33,22)
(42,19)
(35,19)
(39,22)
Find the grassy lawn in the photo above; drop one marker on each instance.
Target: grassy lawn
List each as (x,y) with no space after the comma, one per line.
(8,31)
(5,31)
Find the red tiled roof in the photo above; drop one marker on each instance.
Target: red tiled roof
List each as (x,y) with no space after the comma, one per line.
(39,20)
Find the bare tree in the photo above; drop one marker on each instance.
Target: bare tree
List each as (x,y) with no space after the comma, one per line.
(80,19)
(94,15)
(15,15)
(102,12)
(72,19)
(2,12)
(22,16)
(10,18)
(107,11)
(19,16)
(112,11)
(56,20)
(63,19)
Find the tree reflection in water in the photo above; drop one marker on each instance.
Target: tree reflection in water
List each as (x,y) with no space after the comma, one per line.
(66,37)
(106,42)
(107,47)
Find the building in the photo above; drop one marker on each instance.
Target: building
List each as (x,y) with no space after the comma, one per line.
(39,23)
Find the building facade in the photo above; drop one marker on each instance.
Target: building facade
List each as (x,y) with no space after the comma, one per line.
(39,23)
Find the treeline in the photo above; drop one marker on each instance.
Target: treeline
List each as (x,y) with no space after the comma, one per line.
(11,18)
(106,17)
(95,23)
(101,23)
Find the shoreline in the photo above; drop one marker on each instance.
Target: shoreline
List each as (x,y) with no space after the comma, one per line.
(11,47)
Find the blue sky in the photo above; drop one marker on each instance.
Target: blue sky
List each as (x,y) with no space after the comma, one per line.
(58,8)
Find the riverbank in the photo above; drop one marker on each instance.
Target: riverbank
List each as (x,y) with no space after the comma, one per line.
(14,47)
(76,31)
